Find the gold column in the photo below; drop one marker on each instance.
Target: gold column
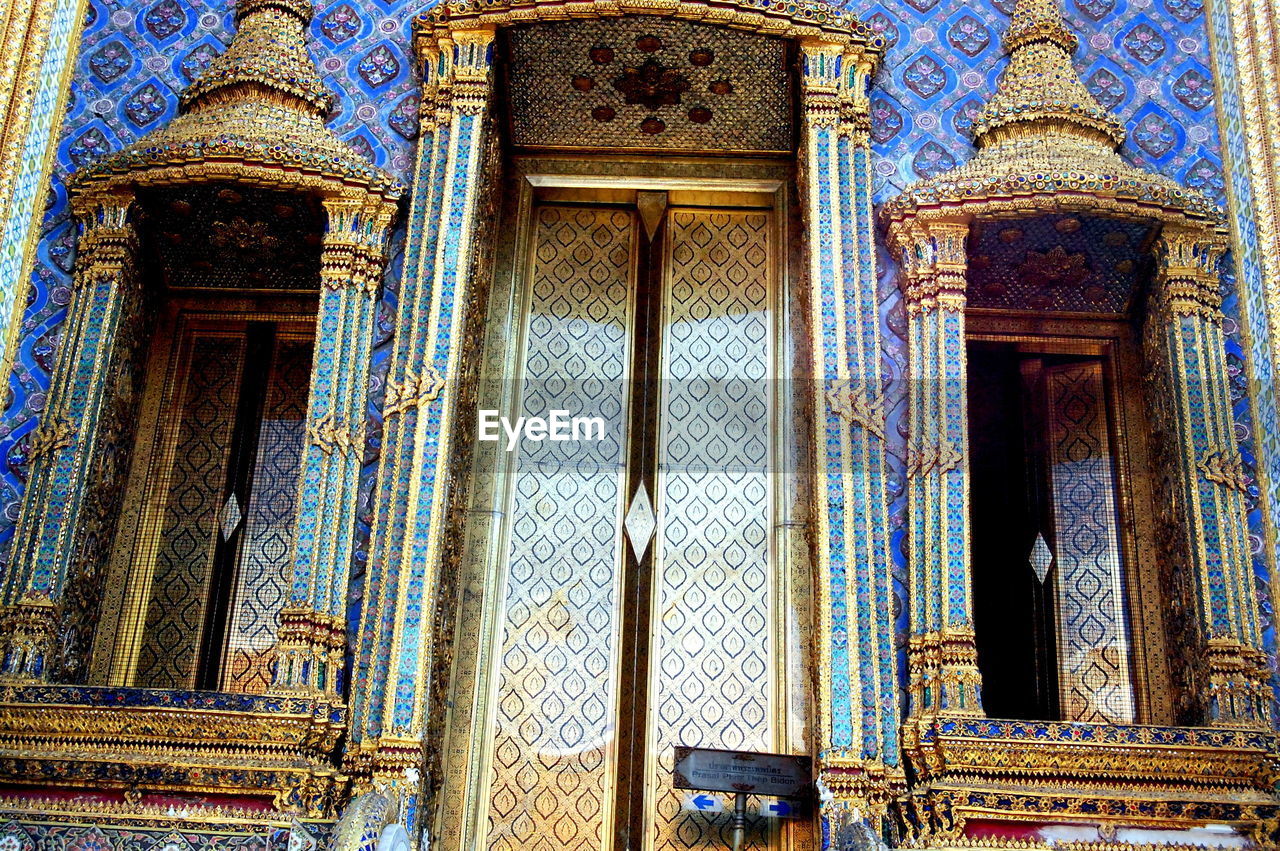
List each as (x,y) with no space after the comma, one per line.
(942,655)
(63,450)
(1186,344)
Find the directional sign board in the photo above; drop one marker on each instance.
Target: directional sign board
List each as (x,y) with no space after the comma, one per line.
(712,770)
(701,802)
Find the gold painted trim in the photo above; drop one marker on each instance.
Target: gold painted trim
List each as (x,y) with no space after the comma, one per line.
(473,773)
(669,184)
(812,19)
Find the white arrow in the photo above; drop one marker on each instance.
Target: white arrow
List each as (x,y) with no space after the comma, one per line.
(701,802)
(777,809)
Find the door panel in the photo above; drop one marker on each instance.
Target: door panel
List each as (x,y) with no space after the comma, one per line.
(711,671)
(184,564)
(1093,633)
(554,750)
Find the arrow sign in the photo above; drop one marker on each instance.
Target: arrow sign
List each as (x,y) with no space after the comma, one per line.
(778,809)
(702,803)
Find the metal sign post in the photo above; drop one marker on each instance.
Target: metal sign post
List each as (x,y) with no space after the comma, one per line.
(742,773)
(738,828)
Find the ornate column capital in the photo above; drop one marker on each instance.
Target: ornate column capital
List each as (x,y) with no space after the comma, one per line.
(457,71)
(933,260)
(108,240)
(351,251)
(820,81)
(28,628)
(1186,277)
(855,99)
(102,208)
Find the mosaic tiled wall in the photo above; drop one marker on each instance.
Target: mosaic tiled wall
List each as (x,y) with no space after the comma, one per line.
(1146,59)
(53,835)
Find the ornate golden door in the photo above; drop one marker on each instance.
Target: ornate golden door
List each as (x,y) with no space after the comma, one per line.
(638,597)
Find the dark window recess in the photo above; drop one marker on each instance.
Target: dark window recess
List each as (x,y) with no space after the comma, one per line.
(1049,605)
(223,485)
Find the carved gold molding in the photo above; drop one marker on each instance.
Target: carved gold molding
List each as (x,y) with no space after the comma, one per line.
(802,19)
(136,741)
(1035,772)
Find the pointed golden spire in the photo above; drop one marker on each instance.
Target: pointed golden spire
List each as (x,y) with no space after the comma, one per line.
(261,104)
(1043,135)
(1040,92)
(267,54)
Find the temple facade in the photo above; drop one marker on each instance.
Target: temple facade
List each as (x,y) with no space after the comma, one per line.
(424,419)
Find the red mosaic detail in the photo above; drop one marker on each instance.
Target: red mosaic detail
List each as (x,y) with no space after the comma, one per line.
(701,57)
(653,126)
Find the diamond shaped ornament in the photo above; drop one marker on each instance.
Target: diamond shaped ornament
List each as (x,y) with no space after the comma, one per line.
(231,516)
(640,523)
(1040,558)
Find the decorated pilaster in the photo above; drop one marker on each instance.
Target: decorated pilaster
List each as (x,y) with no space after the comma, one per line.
(1186,344)
(63,447)
(859,751)
(393,666)
(1244,38)
(313,628)
(942,656)
(38,44)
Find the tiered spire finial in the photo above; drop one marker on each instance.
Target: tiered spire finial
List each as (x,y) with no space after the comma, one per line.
(1043,134)
(261,104)
(268,53)
(1040,92)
